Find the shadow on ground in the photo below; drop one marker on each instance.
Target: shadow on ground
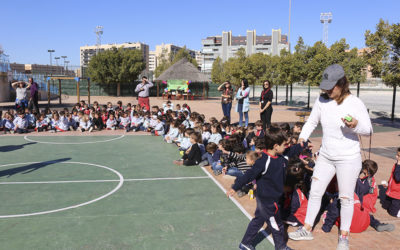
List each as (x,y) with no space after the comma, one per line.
(9,148)
(30,168)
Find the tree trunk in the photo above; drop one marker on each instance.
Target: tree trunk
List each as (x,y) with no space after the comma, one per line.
(358,89)
(119,89)
(276,95)
(287,94)
(308,97)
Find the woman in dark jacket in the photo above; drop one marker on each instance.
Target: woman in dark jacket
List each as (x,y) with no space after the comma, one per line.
(266,104)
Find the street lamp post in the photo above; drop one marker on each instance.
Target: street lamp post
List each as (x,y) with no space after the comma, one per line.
(51,51)
(66,67)
(64,57)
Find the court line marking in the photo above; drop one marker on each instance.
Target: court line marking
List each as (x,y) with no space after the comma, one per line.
(121,181)
(72,143)
(269,237)
(102,181)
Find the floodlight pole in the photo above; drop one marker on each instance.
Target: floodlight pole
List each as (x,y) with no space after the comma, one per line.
(326,19)
(51,51)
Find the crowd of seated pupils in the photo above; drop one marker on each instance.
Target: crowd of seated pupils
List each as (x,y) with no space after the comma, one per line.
(228,149)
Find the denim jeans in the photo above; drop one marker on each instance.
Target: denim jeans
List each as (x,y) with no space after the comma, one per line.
(226,108)
(246,116)
(233,171)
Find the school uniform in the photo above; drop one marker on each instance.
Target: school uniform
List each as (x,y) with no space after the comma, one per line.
(205,136)
(216,138)
(20,125)
(62,124)
(185,144)
(111,124)
(85,125)
(269,173)
(260,133)
(298,208)
(393,192)
(194,156)
(125,123)
(8,125)
(172,134)
(31,120)
(98,123)
(136,122)
(41,125)
(159,129)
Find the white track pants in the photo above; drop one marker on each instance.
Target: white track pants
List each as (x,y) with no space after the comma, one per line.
(347,172)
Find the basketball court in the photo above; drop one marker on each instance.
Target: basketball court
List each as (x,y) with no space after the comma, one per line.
(111,192)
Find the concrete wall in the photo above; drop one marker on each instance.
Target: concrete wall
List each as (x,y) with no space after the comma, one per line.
(4,88)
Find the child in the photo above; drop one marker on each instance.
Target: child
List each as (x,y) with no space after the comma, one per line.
(62,125)
(136,121)
(298,126)
(168,106)
(269,173)
(125,121)
(192,156)
(128,107)
(109,107)
(97,121)
(259,129)
(173,132)
(365,197)
(71,122)
(8,123)
(186,143)
(206,134)
(215,134)
(211,157)
(393,189)
(159,127)
(111,122)
(119,106)
(296,212)
(31,119)
(96,106)
(41,123)
(20,123)
(85,124)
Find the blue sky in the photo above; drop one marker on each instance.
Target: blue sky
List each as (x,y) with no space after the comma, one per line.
(29,28)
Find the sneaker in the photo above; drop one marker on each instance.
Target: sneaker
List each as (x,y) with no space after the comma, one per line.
(246,247)
(301,234)
(52,131)
(12,132)
(90,129)
(127,130)
(240,193)
(203,163)
(71,128)
(217,172)
(113,128)
(343,243)
(385,227)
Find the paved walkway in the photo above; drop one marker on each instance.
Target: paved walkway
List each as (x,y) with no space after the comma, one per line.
(385,140)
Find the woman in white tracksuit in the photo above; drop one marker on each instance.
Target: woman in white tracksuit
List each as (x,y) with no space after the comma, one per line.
(343,117)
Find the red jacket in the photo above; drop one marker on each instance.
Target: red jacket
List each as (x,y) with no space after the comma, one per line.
(369,200)
(361,219)
(302,210)
(393,190)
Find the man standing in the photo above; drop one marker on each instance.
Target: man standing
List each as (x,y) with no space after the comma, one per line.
(34,99)
(143,92)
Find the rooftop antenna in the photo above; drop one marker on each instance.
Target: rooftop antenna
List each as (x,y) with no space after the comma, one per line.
(99,33)
(326,19)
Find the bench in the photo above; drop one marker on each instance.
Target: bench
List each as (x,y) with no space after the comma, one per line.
(302,115)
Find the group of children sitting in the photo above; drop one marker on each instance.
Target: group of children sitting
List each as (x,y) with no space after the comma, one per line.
(84,118)
(229,150)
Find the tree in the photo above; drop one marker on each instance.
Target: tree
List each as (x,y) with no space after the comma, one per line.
(169,60)
(354,66)
(217,72)
(384,54)
(116,66)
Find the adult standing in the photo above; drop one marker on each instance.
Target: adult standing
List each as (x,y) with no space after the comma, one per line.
(34,99)
(21,89)
(243,104)
(343,117)
(143,90)
(266,104)
(226,98)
